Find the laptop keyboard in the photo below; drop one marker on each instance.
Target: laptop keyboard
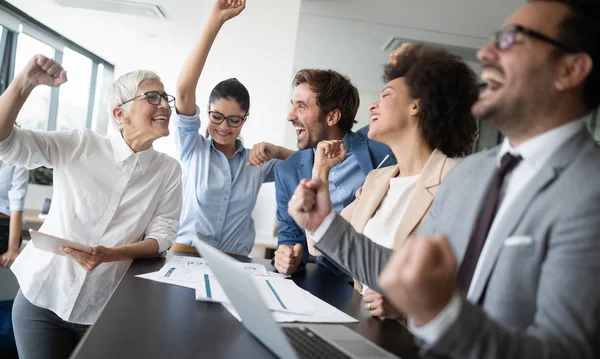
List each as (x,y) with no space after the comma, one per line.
(310,345)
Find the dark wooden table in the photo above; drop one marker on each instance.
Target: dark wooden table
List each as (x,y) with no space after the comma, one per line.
(147,319)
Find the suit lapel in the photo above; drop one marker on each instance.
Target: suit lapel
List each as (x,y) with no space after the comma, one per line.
(370,201)
(358,145)
(548,174)
(422,196)
(506,226)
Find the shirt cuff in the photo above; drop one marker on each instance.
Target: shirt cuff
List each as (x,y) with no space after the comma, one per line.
(432,331)
(186,121)
(17,205)
(320,232)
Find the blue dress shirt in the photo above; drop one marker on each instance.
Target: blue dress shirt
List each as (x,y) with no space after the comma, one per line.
(218,195)
(13,188)
(345,179)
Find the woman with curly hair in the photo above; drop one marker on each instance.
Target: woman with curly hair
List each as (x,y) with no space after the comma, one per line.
(424,115)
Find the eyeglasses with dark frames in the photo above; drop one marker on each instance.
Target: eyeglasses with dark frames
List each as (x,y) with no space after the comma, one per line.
(506,38)
(233,121)
(154,98)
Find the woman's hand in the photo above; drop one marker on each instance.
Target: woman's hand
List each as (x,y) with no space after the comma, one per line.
(7,258)
(41,70)
(378,306)
(228,9)
(89,262)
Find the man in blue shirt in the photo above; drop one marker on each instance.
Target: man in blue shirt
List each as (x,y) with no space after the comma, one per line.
(13,188)
(324,106)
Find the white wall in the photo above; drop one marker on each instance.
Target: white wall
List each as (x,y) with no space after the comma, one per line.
(354,48)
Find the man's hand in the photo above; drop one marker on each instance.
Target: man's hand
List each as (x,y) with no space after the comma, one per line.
(396,54)
(89,262)
(7,258)
(228,9)
(261,153)
(420,278)
(379,306)
(327,155)
(310,204)
(41,70)
(288,258)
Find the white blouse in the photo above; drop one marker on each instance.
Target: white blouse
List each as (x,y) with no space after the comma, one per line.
(382,227)
(104,194)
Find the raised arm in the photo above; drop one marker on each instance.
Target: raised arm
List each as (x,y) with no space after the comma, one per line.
(187,81)
(327,155)
(39,71)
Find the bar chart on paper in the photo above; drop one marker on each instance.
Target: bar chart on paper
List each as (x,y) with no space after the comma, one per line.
(183,271)
(278,294)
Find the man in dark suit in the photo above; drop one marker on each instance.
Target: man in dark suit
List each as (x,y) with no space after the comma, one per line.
(507,264)
(324,105)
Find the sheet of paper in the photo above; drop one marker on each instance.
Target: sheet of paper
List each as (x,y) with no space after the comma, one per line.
(158,277)
(208,289)
(278,275)
(324,313)
(183,271)
(277,293)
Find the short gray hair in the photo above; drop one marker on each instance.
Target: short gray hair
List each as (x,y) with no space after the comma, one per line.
(125,88)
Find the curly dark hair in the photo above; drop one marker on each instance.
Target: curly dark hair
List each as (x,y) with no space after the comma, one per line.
(580,31)
(447,89)
(334,91)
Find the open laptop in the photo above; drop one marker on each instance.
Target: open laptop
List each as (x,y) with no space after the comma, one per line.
(285,340)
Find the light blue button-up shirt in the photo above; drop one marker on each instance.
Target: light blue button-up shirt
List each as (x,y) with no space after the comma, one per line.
(218,196)
(13,188)
(345,179)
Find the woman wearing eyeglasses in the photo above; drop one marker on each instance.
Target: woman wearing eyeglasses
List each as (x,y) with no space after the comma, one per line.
(114,194)
(220,178)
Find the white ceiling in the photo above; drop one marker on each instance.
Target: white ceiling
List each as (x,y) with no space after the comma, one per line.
(346,35)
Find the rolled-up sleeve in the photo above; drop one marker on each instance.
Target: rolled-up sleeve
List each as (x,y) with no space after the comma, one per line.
(164,225)
(18,189)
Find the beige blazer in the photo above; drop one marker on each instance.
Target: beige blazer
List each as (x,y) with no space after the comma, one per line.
(377,183)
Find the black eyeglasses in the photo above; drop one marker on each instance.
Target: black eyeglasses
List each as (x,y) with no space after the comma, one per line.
(155,98)
(506,37)
(233,121)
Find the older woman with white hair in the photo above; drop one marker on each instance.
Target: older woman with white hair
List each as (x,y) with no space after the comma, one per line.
(115,194)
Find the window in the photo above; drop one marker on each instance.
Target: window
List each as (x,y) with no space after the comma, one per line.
(76,104)
(488,136)
(34,114)
(75,94)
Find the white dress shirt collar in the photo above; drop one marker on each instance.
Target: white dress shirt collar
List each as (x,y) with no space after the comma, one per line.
(122,151)
(536,151)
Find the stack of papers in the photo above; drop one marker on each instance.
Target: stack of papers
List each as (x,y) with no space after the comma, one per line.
(287,301)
